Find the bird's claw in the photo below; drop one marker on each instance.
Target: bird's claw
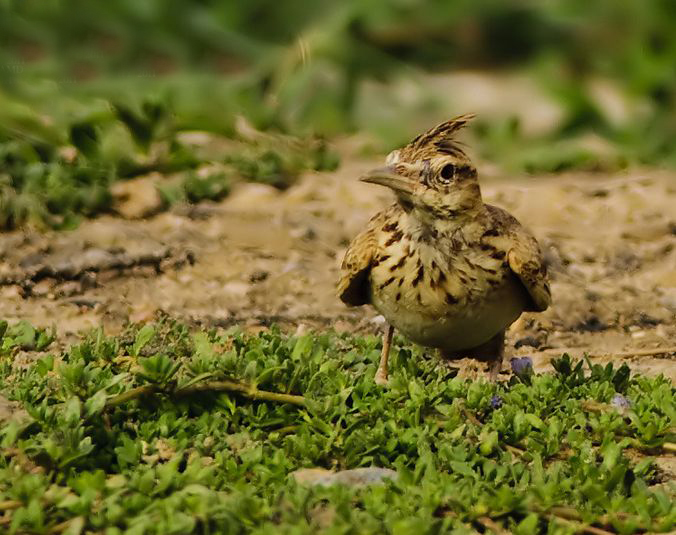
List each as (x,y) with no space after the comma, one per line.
(381,378)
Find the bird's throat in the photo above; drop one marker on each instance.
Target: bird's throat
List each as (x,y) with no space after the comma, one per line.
(427,226)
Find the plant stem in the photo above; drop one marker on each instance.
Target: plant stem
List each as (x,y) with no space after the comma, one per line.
(244,389)
(285,430)
(63,526)
(514,450)
(134,393)
(10,504)
(584,528)
(568,513)
(488,523)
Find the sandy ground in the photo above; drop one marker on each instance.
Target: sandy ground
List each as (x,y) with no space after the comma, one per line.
(263,256)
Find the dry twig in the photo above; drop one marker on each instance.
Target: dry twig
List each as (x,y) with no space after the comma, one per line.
(249,391)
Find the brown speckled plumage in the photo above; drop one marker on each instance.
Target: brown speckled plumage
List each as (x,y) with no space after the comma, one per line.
(442,267)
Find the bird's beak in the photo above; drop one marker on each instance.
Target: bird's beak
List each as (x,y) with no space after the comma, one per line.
(387,176)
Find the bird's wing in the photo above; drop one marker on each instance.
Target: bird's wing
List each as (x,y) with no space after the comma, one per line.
(525,259)
(353,286)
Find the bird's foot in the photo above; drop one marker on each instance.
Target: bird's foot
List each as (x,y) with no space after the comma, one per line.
(494,369)
(381,378)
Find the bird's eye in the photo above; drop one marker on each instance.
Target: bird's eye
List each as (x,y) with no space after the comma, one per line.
(447,172)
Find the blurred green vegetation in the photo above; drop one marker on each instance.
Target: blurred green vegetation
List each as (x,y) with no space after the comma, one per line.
(323,68)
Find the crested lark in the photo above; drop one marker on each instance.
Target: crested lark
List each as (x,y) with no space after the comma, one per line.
(442,267)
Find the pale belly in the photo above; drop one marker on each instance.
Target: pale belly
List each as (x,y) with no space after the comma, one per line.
(471,322)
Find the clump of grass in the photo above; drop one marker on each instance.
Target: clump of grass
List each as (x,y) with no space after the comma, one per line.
(53,181)
(23,336)
(164,429)
(269,165)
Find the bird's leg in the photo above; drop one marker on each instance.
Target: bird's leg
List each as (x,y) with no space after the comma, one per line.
(495,365)
(496,347)
(381,373)
(492,352)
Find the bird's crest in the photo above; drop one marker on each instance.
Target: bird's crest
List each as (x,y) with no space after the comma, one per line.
(441,138)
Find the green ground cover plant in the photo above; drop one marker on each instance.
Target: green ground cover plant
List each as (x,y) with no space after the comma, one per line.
(168,429)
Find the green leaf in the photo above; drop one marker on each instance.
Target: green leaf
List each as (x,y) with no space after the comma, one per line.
(488,442)
(75,526)
(159,368)
(140,127)
(72,411)
(128,452)
(535,421)
(463,469)
(144,336)
(96,403)
(302,347)
(83,135)
(611,454)
(528,526)
(24,335)
(621,378)
(203,346)
(44,339)
(44,365)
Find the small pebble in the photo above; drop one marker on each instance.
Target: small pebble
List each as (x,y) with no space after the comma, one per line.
(357,477)
(378,320)
(620,402)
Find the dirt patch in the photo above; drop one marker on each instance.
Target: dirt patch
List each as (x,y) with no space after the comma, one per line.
(11,411)
(263,256)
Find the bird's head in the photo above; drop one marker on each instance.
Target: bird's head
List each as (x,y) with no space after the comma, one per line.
(432,176)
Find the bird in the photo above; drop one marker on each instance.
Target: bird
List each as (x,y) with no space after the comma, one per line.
(443,268)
